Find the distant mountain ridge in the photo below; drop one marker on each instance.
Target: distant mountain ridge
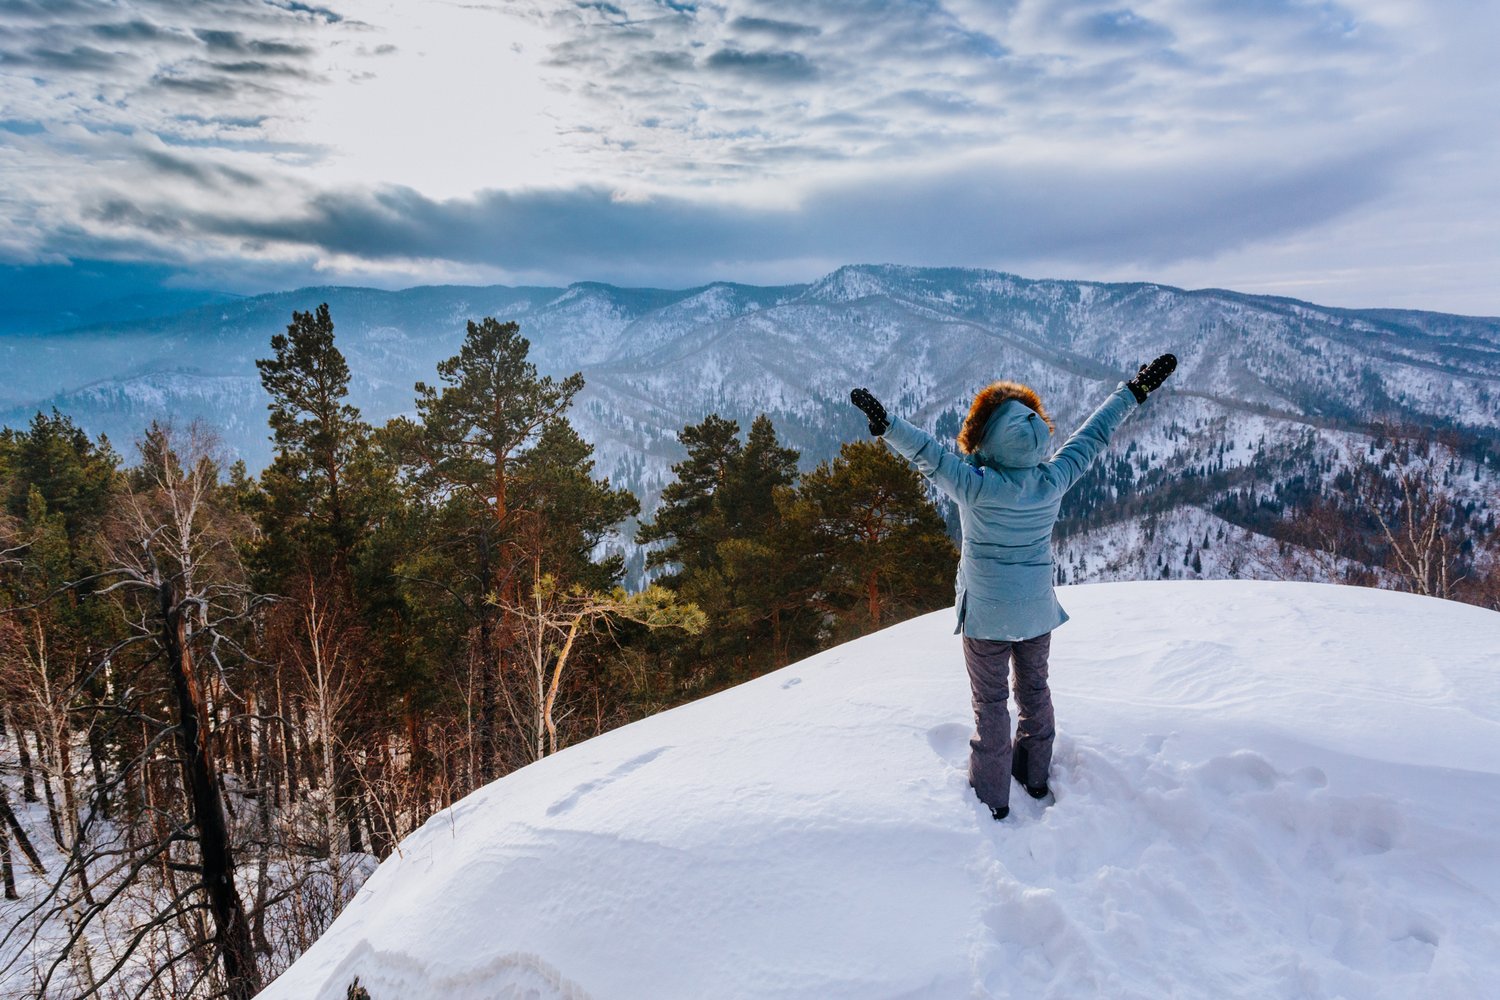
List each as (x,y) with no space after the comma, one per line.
(46,298)
(1252,368)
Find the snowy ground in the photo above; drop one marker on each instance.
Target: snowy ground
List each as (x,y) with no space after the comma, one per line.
(1263,790)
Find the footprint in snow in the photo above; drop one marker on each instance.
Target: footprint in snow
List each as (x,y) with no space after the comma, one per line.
(950,741)
(567,802)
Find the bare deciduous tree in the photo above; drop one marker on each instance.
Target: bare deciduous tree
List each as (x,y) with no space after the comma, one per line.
(173,574)
(553,620)
(1416,522)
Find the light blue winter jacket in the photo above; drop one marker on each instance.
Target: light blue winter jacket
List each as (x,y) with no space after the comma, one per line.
(1008,499)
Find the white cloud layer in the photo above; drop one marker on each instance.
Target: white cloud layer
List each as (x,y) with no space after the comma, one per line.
(1338,151)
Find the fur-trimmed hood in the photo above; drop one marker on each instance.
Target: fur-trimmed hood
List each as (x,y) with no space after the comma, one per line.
(1006,427)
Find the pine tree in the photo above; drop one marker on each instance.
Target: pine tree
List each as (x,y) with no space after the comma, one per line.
(570,511)
(318,436)
(491,407)
(314,510)
(689,518)
(74,475)
(879,543)
(763,465)
(508,499)
(58,488)
(732,557)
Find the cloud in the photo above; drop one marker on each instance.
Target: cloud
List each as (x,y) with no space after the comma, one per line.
(939,103)
(765,66)
(977,214)
(43,10)
(78,59)
(204,86)
(1121,27)
(134,31)
(215,176)
(781,30)
(320,13)
(235,42)
(259,67)
(121,212)
(167,163)
(689,138)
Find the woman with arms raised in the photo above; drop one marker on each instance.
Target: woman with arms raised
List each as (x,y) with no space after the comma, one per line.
(1008,495)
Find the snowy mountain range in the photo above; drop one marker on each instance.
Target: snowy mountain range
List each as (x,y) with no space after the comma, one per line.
(1279,790)
(1256,375)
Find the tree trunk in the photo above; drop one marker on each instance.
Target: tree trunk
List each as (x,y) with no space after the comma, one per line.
(262,879)
(53,815)
(97,752)
(305,756)
(198,771)
(254,746)
(778,655)
(551,698)
(7,872)
(250,778)
(489,653)
(289,752)
(65,780)
(22,841)
(28,780)
(378,816)
(348,800)
(419,769)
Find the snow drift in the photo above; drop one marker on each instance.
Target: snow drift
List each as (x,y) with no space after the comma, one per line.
(1263,790)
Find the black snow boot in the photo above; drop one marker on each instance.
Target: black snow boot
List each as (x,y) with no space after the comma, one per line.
(1018,771)
(1001,812)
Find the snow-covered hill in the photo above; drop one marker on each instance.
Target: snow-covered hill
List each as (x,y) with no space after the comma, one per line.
(1263,790)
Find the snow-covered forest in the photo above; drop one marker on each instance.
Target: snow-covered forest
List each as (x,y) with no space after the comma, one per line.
(228,695)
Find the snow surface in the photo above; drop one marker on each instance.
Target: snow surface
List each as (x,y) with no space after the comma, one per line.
(1262,790)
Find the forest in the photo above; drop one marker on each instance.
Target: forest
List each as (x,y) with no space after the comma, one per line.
(228,696)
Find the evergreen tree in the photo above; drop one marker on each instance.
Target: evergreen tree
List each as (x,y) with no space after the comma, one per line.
(747,499)
(314,508)
(689,519)
(879,544)
(722,525)
(58,489)
(754,593)
(74,476)
(492,406)
(569,511)
(311,505)
(509,498)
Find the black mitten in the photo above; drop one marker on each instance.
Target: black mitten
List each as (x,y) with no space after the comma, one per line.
(1151,376)
(878,422)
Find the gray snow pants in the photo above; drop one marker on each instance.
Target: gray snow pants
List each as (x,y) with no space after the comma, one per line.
(990,748)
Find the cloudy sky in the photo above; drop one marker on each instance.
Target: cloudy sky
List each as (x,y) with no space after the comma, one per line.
(1340,152)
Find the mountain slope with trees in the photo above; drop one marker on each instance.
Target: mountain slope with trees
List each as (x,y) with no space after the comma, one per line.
(1259,379)
(227,693)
